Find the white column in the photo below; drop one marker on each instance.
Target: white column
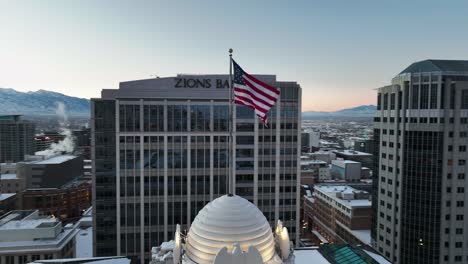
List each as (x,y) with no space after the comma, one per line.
(277,159)
(117,172)
(142,187)
(165,172)
(298,167)
(255,176)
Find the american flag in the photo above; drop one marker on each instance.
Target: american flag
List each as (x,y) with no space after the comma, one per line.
(251,92)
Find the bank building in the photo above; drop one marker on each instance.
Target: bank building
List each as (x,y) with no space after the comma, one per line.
(161,154)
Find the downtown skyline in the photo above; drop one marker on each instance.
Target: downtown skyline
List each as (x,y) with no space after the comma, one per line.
(337,55)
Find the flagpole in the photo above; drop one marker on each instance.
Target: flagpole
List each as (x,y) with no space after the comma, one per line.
(231,129)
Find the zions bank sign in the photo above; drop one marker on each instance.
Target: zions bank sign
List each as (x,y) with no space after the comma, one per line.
(200,83)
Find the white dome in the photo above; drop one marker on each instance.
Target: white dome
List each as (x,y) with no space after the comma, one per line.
(225,221)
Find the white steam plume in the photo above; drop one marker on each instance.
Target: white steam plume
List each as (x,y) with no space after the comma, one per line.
(67,145)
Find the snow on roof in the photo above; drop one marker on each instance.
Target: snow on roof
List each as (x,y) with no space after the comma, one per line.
(307,162)
(84,243)
(306,256)
(27,223)
(350,152)
(4,196)
(8,176)
(364,235)
(332,190)
(92,260)
(377,257)
(56,159)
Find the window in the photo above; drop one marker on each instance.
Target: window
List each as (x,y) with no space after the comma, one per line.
(379,101)
(414,97)
(424,102)
(460,189)
(385,101)
(463,134)
(459,217)
(464,99)
(461,176)
(462,148)
(392,101)
(460,203)
(450,148)
(433,96)
(459,231)
(461,162)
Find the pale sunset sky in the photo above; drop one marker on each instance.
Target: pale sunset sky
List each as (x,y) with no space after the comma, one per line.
(338,51)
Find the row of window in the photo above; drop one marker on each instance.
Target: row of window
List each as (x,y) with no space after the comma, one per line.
(421,120)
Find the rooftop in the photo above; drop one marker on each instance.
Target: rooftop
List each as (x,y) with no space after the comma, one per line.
(16,220)
(26,231)
(437,66)
(344,254)
(90,260)
(4,196)
(309,255)
(347,195)
(350,152)
(55,160)
(8,176)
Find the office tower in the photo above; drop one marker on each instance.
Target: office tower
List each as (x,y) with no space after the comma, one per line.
(16,138)
(161,152)
(420,133)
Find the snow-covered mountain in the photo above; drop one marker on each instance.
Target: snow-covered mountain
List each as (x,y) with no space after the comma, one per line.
(40,102)
(358,111)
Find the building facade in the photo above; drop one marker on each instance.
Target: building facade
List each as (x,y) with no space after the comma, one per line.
(347,170)
(340,214)
(161,152)
(25,237)
(66,203)
(420,134)
(16,138)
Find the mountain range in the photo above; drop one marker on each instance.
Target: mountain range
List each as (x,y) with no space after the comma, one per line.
(358,111)
(43,102)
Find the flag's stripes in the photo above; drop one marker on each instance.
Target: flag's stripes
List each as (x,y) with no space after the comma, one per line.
(259,91)
(239,102)
(253,93)
(260,85)
(248,102)
(246,93)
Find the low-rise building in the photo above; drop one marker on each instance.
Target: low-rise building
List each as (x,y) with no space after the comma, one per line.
(25,236)
(10,183)
(49,172)
(366,159)
(340,214)
(347,170)
(67,202)
(313,171)
(43,142)
(7,202)
(325,155)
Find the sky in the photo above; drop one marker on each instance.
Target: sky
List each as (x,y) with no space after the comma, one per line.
(338,51)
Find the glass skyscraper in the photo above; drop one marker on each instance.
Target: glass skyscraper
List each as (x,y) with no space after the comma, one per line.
(161,152)
(420,134)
